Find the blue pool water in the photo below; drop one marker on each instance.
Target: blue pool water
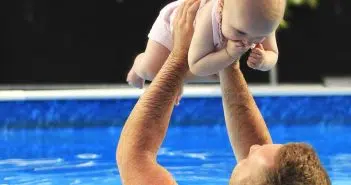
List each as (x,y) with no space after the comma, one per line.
(74,142)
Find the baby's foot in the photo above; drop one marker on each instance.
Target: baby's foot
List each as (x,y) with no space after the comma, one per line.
(179,97)
(134,80)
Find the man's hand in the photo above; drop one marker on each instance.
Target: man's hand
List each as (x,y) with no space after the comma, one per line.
(183,24)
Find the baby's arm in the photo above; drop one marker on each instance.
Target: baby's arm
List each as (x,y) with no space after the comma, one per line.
(271,48)
(264,57)
(203,59)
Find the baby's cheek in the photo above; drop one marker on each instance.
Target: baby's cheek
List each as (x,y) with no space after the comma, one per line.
(227,33)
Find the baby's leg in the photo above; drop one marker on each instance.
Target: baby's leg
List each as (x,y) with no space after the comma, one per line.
(132,78)
(147,64)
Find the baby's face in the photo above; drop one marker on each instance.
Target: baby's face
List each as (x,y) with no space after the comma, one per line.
(243,21)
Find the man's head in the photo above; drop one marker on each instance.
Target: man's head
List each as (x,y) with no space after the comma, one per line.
(289,164)
(251,21)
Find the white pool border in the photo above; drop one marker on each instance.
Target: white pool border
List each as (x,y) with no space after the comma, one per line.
(124,92)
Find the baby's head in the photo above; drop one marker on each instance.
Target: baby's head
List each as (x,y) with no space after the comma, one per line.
(251,21)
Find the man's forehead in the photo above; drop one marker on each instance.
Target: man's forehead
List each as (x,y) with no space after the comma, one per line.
(248,174)
(264,157)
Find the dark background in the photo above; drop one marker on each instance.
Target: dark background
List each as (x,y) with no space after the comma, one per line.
(95,41)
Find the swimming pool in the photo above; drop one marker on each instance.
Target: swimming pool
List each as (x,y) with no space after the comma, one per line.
(70,137)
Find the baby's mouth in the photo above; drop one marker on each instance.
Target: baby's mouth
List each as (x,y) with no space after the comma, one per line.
(253,46)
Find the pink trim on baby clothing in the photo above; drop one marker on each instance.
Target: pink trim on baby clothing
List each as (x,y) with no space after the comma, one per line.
(218,38)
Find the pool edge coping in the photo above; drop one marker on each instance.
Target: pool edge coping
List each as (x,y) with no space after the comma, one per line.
(191,91)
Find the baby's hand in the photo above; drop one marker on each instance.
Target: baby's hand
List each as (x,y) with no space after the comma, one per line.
(236,48)
(255,60)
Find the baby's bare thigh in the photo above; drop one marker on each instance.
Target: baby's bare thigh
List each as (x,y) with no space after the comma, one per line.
(152,60)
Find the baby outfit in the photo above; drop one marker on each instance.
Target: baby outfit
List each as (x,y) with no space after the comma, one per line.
(162,28)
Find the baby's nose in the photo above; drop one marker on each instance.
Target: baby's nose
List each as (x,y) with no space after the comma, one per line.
(250,42)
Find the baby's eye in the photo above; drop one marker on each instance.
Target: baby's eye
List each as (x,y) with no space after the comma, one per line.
(240,32)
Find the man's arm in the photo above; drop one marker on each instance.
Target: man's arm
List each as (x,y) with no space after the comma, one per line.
(147,124)
(244,121)
(146,127)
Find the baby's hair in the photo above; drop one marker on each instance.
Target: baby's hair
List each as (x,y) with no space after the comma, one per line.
(272,9)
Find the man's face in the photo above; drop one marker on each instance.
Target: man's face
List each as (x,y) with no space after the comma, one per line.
(260,157)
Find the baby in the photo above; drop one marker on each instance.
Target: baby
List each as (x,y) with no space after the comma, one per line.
(223,31)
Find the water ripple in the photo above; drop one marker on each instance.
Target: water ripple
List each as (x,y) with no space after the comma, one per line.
(30,162)
(88,156)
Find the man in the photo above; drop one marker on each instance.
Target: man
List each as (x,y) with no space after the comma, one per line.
(260,162)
